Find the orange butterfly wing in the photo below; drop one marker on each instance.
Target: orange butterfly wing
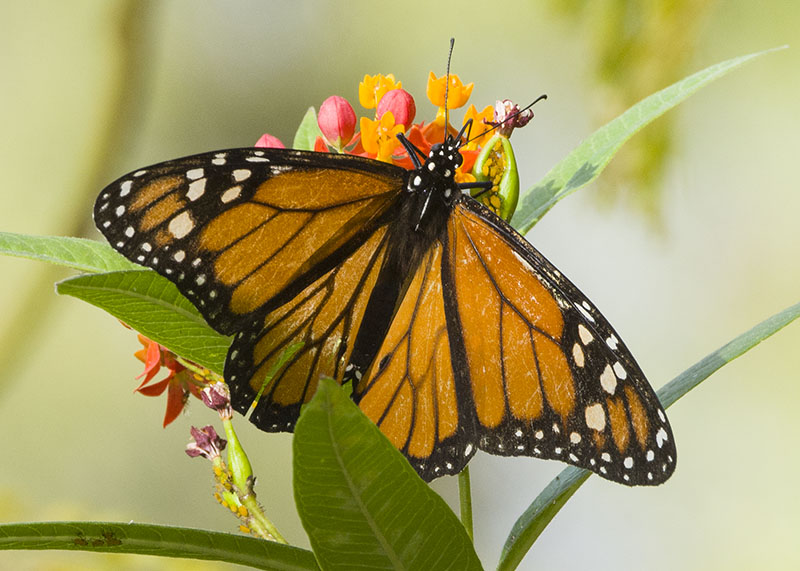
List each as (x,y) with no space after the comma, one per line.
(410,390)
(509,357)
(278,246)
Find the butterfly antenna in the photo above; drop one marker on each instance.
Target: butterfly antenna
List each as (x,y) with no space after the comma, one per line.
(507,119)
(447,87)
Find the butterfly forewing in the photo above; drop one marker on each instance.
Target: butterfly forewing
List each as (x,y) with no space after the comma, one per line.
(244,230)
(549,377)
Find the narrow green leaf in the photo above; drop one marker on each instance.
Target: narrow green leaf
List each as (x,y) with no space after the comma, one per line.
(153,306)
(588,160)
(361,503)
(77,253)
(544,508)
(308,131)
(161,540)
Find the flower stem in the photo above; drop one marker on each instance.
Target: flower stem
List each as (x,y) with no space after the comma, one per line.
(243,480)
(465,498)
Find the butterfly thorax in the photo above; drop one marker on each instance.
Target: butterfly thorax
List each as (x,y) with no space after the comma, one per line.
(434,184)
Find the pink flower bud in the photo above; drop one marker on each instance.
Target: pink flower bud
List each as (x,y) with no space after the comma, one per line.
(401,104)
(337,121)
(216,396)
(507,116)
(268,141)
(205,442)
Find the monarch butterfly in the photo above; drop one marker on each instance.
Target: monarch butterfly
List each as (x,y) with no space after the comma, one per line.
(457,334)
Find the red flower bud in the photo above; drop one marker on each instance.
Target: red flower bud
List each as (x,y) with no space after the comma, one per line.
(337,121)
(268,141)
(401,104)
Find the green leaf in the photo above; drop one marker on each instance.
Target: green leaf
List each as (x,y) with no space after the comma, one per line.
(162,540)
(307,132)
(153,306)
(359,499)
(533,521)
(77,253)
(588,160)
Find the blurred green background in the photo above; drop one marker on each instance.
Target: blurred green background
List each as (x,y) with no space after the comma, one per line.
(690,238)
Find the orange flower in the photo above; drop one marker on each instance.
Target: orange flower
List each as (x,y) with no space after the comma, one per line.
(373,87)
(179,383)
(481,127)
(457,94)
(379,138)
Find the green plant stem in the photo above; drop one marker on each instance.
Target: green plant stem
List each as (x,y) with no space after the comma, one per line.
(243,480)
(465,499)
(259,521)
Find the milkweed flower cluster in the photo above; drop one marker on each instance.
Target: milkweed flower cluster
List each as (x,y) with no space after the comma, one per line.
(487,155)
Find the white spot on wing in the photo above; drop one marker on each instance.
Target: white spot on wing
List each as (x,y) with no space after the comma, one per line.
(585,312)
(584,334)
(577,355)
(125,187)
(595,416)
(181,225)
(231,194)
(194,174)
(241,174)
(661,437)
(196,189)
(608,381)
(620,371)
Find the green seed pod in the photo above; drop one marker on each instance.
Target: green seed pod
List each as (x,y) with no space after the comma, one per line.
(497,164)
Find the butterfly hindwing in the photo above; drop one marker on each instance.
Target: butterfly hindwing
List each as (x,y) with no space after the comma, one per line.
(410,390)
(324,318)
